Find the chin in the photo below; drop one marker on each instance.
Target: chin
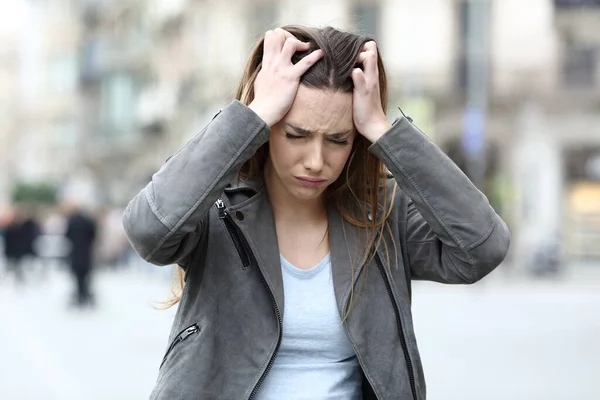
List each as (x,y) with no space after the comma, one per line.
(307,194)
(304,193)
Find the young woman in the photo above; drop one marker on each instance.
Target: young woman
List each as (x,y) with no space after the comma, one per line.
(297,246)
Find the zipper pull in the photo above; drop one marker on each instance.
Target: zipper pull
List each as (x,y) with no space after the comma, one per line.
(406,116)
(221,207)
(191,330)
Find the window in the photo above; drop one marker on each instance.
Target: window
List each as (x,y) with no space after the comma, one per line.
(118,103)
(582,163)
(89,58)
(580,63)
(463,42)
(366,18)
(473,44)
(563,4)
(65,134)
(63,73)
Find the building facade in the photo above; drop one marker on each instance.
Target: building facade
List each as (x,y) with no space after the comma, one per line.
(508,88)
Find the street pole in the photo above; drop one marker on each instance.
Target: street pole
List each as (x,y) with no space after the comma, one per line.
(475,115)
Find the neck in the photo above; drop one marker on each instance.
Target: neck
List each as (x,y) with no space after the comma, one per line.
(288,208)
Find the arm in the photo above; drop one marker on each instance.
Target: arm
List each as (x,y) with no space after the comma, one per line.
(164,221)
(452,233)
(93,228)
(69,230)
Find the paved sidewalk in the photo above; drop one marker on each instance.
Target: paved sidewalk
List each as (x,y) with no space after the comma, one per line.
(499,339)
(511,339)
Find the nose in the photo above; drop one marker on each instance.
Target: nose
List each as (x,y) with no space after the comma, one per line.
(313,159)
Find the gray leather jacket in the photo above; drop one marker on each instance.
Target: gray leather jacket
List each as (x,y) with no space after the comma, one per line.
(228,326)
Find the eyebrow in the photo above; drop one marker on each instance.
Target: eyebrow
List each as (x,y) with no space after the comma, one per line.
(306,132)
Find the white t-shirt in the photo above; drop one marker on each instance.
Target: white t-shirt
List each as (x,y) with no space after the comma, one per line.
(316,360)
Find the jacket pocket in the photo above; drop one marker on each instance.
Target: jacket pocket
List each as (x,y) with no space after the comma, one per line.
(241,246)
(183,335)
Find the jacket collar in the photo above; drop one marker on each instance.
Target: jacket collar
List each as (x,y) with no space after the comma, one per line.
(347,242)
(254,185)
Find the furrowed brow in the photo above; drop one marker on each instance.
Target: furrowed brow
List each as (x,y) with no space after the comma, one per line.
(299,131)
(306,132)
(339,135)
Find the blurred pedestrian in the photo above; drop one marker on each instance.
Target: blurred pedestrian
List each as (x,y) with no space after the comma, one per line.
(282,207)
(81,232)
(14,247)
(30,232)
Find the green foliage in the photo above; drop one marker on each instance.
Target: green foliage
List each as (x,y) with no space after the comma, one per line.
(34,193)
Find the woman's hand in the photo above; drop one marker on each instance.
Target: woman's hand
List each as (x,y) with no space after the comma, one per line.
(369,118)
(278,80)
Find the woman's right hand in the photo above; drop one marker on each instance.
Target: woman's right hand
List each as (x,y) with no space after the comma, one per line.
(278,80)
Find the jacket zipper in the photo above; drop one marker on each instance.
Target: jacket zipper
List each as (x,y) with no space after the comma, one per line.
(187,332)
(411,374)
(272,360)
(243,249)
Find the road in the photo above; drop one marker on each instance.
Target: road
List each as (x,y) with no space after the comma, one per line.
(495,340)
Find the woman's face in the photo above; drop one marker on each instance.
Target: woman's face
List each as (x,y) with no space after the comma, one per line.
(309,147)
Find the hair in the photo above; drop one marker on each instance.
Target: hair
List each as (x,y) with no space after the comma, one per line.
(364,177)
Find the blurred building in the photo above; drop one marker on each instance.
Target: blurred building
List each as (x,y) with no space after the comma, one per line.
(39,94)
(9,91)
(510,89)
(114,66)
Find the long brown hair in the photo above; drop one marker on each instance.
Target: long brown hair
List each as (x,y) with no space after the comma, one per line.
(361,189)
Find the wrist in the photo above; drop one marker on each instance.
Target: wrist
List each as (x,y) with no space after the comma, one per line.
(376,130)
(264,115)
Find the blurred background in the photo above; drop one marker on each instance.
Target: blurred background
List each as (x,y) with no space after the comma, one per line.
(96,94)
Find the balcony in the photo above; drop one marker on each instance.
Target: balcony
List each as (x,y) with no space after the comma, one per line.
(575,4)
(578,16)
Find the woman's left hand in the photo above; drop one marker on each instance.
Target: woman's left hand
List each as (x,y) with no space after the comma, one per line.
(369,118)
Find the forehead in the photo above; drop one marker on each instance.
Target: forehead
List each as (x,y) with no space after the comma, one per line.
(321,110)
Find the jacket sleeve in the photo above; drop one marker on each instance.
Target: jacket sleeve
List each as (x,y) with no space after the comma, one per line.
(452,234)
(163,222)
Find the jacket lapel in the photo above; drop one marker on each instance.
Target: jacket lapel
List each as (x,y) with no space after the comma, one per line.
(348,246)
(255,218)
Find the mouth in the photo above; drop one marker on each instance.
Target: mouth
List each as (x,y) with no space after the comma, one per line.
(310,182)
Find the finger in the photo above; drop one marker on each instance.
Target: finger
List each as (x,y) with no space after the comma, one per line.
(269,46)
(370,46)
(360,82)
(285,33)
(291,46)
(369,60)
(282,35)
(303,65)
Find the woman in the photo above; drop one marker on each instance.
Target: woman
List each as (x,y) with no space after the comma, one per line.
(297,247)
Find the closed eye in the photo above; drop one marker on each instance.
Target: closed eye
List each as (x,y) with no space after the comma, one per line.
(290,136)
(338,142)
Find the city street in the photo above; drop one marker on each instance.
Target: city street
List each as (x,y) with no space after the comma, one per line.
(122,120)
(520,340)
(52,352)
(494,340)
